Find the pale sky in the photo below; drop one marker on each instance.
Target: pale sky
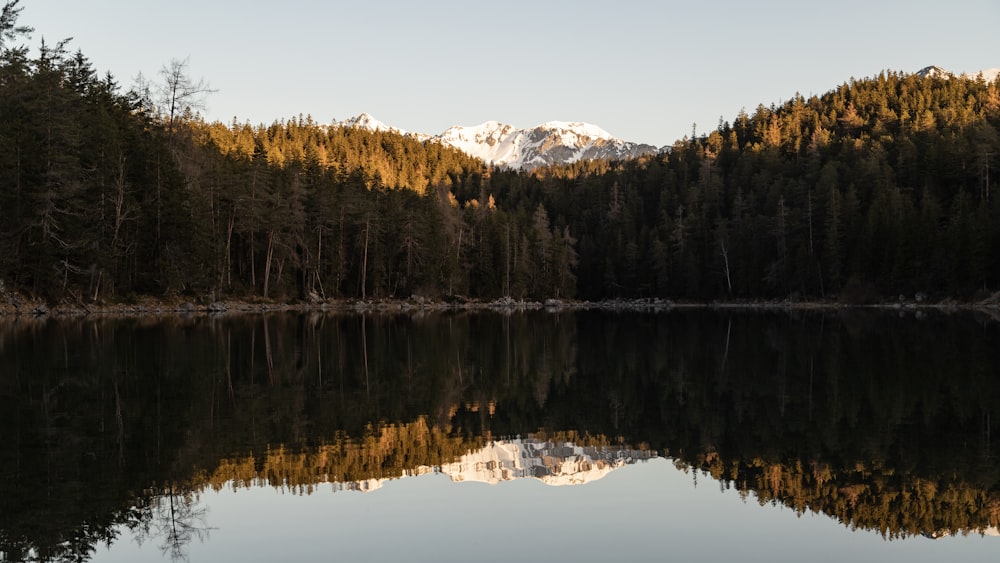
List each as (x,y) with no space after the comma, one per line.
(644,71)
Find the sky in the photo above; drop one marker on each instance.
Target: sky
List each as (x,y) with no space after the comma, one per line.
(645,71)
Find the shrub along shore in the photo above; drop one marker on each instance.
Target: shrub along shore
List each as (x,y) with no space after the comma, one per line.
(16,305)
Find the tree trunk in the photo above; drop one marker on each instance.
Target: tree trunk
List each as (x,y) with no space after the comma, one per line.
(267,260)
(364,262)
(725,264)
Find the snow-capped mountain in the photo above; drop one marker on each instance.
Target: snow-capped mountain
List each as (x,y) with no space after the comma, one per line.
(366,121)
(555,142)
(989,74)
(552,463)
(555,464)
(933,72)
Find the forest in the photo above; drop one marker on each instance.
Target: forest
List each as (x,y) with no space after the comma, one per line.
(880,187)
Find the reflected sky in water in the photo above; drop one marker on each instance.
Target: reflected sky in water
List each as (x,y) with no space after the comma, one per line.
(868,420)
(649,511)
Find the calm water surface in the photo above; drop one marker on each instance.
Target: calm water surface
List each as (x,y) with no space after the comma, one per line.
(586,436)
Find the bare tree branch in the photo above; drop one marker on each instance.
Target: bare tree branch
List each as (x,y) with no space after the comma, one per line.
(179,92)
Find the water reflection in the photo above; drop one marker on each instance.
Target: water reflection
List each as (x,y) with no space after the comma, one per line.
(172,518)
(880,422)
(551,463)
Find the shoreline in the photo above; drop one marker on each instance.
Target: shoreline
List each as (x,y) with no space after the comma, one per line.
(14,306)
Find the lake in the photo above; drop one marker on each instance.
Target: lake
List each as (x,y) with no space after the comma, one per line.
(702,435)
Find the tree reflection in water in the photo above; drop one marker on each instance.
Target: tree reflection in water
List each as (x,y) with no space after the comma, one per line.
(175,519)
(881,422)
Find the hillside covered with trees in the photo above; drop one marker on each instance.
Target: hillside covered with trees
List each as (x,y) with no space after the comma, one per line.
(882,186)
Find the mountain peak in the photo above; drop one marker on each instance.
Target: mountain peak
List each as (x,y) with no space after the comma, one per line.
(552,463)
(502,144)
(933,72)
(578,127)
(989,74)
(553,142)
(366,121)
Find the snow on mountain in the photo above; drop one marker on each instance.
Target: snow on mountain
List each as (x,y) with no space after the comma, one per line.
(492,141)
(555,464)
(989,74)
(555,142)
(559,142)
(552,463)
(991,531)
(933,72)
(366,121)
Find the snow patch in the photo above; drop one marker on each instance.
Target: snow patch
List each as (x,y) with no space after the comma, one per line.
(989,74)
(553,463)
(366,121)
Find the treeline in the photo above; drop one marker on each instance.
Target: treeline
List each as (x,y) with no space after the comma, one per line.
(880,187)
(894,504)
(300,210)
(111,195)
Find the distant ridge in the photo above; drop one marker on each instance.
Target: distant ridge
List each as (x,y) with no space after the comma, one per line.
(933,72)
(554,142)
(366,121)
(561,142)
(552,463)
(989,74)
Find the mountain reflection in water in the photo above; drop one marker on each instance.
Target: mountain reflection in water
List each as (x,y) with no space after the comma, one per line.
(552,463)
(880,422)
